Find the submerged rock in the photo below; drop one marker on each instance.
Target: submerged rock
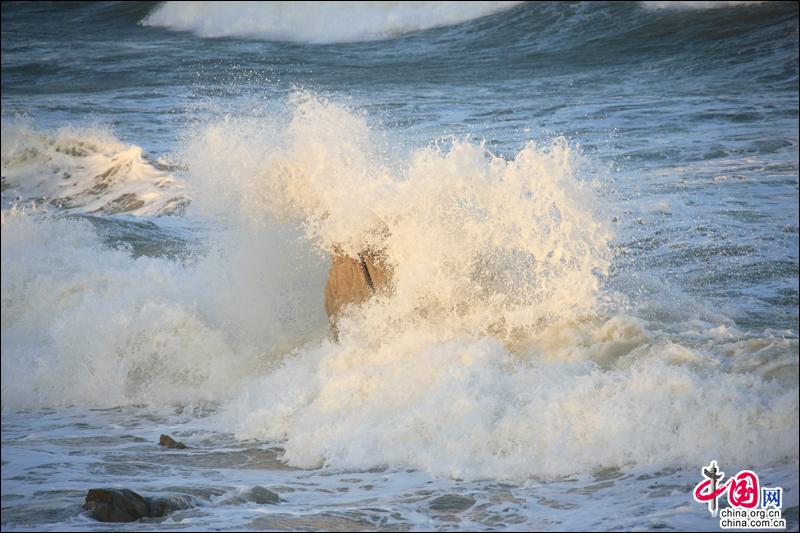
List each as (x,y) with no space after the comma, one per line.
(125,505)
(257,494)
(451,503)
(261,495)
(169,442)
(354,280)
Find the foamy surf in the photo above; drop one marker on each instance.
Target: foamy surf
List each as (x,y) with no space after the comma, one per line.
(493,357)
(474,239)
(468,408)
(316,22)
(501,352)
(85,170)
(88,324)
(585,312)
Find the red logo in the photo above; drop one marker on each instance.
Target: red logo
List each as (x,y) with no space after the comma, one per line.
(742,489)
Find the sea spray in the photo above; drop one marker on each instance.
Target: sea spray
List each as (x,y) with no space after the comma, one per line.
(86,324)
(686,350)
(490,357)
(475,241)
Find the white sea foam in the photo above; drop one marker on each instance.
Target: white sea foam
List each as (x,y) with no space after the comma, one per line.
(492,356)
(475,240)
(88,325)
(86,170)
(316,22)
(468,408)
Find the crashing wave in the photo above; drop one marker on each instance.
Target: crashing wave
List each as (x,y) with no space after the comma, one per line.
(316,22)
(85,170)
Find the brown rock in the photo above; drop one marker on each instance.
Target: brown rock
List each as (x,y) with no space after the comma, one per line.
(125,505)
(116,505)
(354,280)
(169,442)
(164,506)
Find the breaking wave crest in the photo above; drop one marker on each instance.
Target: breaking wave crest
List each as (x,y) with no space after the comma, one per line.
(85,170)
(316,22)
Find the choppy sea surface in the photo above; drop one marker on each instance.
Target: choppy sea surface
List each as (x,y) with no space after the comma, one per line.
(591,214)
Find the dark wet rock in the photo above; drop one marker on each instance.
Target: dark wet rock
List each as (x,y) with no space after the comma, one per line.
(165,505)
(113,505)
(169,442)
(451,503)
(125,505)
(262,496)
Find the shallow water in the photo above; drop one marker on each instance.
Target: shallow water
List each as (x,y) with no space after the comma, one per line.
(49,465)
(591,214)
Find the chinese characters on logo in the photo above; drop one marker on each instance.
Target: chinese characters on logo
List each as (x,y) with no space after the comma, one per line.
(742,488)
(750,505)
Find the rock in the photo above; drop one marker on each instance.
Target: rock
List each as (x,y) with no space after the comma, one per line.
(262,496)
(169,442)
(125,505)
(164,506)
(354,280)
(258,494)
(451,503)
(113,505)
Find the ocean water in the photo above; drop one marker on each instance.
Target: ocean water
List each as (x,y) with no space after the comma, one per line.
(590,210)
